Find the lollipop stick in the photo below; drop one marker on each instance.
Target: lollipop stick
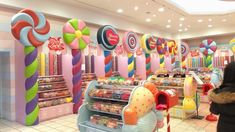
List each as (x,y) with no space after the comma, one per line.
(31,85)
(131,70)
(162,63)
(148,64)
(108,63)
(77,81)
(173,61)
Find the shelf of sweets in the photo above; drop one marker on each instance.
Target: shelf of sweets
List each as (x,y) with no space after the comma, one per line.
(101,123)
(53,91)
(111,108)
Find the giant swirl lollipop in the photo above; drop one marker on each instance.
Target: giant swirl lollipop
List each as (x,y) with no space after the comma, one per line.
(208,48)
(173,50)
(76,35)
(108,39)
(184,53)
(148,44)
(130,42)
(232,45)
(161,49)
(32,30)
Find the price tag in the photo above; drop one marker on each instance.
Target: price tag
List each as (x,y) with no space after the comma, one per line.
(196,77)
(83,67)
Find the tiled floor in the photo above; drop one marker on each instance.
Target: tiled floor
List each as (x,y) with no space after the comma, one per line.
(68,124)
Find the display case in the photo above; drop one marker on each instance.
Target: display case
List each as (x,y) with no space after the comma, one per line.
(177,82)
(107,108)
(54,97)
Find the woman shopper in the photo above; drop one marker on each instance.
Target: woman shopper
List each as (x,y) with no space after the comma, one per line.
(223,100)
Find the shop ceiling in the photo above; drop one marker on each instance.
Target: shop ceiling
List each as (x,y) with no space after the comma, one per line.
(172,16)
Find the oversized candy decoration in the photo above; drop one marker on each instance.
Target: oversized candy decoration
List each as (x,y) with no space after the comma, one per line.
(184,53)
(77,36)
(173,50)
(130,42)
(148,44)
(208,48)
(32,30)
(232,45)
(108,39)
(161,49)
(189,104)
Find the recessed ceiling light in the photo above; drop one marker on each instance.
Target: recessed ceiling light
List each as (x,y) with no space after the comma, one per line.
(199,20)
(182,19)
(136,8)
(188,26)
(209,25)
(185,29)
(148,20)
(146,3)
(180,24)
(224,20)
(169,20)
(168,26)
(161,9)
(209,19)
(120,10)
(180,30)
(154,15)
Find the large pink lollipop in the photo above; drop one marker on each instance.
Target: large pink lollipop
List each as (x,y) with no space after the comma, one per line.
(77,35)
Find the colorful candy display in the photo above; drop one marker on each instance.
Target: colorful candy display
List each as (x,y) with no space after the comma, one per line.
(32,30)
(232,44)
(148,44)
(161,49)
(184,52)
(108,39)
(76,36)
(173,50)
(208,48)
(130,42)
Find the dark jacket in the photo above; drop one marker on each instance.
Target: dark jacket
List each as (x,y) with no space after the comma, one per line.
(223,104)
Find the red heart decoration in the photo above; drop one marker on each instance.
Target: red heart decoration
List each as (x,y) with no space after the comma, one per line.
(112,37)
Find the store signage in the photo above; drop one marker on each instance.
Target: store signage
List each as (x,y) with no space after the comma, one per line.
(56,44)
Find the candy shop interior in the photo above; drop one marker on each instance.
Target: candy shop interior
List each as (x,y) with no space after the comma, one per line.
(113,66)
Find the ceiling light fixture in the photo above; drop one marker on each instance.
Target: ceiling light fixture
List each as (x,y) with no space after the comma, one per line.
(180,24)
(136,8)
(199,20)
(146,3)
(168,26)
(154,15)
(169,20)
(224,20)
(148,20)
(182,19)
(185,29)
(120,10)
(188,26)
(161,9)
(180,30)
(209,19)
(209,25)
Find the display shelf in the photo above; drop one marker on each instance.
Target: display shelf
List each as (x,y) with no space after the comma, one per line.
(109,99)
(87,126)
(101,106)
(169,87)
(51,83)
(52,90)
(99,111)
(51,98)
(51,76)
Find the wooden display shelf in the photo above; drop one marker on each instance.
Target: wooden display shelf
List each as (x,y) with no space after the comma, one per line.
(175,87)
(51,98)
(110,99)
(55,111)
(50,83)
(51,76)
(52,90)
